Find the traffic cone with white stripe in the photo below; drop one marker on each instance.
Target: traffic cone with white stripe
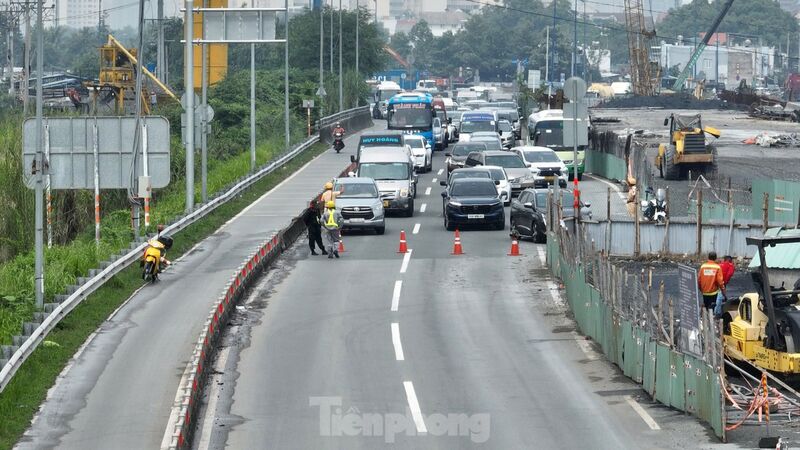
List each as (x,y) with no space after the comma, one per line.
(403,245)
(341,245)
(514,247)
(457,245)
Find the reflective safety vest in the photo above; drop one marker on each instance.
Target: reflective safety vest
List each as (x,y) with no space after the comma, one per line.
(709,278)
(331,219)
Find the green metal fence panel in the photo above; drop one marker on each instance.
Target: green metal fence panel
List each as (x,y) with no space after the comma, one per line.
(693,379)
(716,407)
(591,317)
(618,342)
(638,369)
(629,360)
(783,203)
(600,326)
(605,165)
(678,379)
(663,375)
(649,364)
(705,397)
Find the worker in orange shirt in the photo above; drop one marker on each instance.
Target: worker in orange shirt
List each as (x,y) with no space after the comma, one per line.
(711,282)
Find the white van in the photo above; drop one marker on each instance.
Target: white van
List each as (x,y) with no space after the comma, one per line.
(393,171)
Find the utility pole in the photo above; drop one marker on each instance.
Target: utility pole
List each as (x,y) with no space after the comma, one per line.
(26,71)
(161,62)
(203,115)
(358,19)
(321,59)
(188,88)
(574,42)
(286,81)
(331,36)
(10,56)
(252,107)
(40,162)
(341,97)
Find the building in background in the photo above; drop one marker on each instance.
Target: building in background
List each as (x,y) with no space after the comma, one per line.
(726,64)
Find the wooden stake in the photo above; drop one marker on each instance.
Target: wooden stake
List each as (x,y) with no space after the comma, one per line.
(700,222)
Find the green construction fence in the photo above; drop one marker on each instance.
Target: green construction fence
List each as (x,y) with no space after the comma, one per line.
(672,378)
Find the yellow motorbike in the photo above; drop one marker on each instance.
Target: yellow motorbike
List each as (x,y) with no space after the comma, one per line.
(154,258)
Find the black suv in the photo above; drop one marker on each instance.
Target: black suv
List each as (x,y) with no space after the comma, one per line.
(472,201)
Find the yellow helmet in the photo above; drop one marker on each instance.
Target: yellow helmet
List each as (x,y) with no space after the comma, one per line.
(328,186)
(329,204)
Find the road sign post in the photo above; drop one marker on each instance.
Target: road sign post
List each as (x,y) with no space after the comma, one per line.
(575,115)
(308,104)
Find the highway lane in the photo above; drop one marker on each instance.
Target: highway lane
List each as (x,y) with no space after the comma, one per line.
(118,391)
(469,350)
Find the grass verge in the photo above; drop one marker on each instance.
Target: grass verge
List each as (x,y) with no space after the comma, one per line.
(27,390)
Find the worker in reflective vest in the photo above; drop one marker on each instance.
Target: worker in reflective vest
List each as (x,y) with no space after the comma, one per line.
(331,223)
(710,281)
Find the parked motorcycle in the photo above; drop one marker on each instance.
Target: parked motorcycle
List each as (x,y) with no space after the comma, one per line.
(338,141)
(154,258)
(655,209)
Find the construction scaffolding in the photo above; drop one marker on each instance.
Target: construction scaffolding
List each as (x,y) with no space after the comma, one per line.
(644,78)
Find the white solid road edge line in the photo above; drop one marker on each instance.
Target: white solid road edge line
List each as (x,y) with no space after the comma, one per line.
(398,285)
(642,413)
(428,190)
(441,171)
(406,259)
(610,184)
(423,207)
(398,346)
(416,228)
(413,405)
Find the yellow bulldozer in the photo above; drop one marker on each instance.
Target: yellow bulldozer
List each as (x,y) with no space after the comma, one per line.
(764,327)
(687,149)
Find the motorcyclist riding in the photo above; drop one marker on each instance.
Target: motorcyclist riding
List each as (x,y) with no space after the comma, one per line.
(338,137)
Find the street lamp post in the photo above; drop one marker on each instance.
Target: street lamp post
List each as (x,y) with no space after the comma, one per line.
(341,96)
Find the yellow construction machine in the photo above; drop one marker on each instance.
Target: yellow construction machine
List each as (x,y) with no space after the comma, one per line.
(764,327)
(687,149)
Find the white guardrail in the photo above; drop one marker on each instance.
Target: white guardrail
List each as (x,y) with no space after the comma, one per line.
(36,337)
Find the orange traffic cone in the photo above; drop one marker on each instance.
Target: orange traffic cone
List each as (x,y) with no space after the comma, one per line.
(457,245)
(403,245)
(341,246)
(514,247)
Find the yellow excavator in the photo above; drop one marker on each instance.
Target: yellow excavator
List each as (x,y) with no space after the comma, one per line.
(687,148)
(764,327)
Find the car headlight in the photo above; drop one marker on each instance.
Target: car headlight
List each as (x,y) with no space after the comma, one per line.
(452,203)
(404,192)
(526,178)
(567,162)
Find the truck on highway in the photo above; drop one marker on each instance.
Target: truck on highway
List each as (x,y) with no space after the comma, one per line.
(383,92)
(393,171)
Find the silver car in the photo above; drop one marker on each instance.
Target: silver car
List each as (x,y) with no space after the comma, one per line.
(360,203)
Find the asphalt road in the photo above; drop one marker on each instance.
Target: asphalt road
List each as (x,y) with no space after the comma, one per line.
(423,350)
(119,389)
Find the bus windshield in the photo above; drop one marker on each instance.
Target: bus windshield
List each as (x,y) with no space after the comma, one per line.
(410,115)
(549,133)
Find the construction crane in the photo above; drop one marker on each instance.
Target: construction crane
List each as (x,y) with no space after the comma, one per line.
(643,81)
(702,46)
(118,76)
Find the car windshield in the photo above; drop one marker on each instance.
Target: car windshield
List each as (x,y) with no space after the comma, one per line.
(455,115)
(384,171)
(533,156)
(468,188)
(497,174)
(490,143)
(442,115)
(469,174)
(404,117)
(483,125)
(504,126)
(465,149)
(356,190)
(415,143)
(385,94)
(510,161)
(549,133)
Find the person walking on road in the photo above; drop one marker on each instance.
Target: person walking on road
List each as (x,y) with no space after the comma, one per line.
(311,219)
(711,282)
(631,200)
(332,221)
(728,269)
